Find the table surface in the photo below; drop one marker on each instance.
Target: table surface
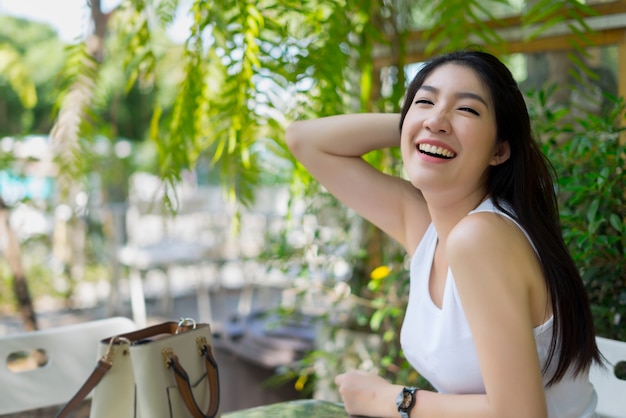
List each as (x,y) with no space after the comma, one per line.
(309,408)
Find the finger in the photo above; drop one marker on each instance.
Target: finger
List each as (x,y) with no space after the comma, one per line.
(339,379)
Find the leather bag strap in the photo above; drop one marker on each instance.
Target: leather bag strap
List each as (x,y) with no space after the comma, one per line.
(184,385)
(102,367)
(92,381)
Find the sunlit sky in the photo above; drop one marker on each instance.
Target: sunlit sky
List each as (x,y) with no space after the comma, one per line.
(70,18)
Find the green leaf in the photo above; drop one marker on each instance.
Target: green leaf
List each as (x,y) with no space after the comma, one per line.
(593,211)
(616,222)
(377,319)
(14,70)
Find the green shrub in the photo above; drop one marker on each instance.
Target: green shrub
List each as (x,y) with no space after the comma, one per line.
(590,164)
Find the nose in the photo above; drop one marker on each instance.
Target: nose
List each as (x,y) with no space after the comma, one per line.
(437,122)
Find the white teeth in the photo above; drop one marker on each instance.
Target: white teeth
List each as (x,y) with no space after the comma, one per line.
(432,149)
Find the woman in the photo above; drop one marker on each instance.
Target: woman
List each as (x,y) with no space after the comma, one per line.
(498,319)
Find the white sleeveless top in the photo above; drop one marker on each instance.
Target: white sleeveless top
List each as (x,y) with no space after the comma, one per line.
(438,342)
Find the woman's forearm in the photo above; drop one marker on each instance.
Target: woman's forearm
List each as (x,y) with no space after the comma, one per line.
(370,395)
(350,135)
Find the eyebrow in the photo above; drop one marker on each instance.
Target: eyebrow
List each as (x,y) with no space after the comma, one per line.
(460,95)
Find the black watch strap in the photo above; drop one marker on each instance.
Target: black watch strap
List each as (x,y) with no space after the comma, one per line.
(406,401)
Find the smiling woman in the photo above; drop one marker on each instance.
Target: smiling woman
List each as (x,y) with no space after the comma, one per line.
(440,108)
(491,279)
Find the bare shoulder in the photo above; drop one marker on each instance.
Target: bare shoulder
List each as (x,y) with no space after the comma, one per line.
(486,231)
(490,254)
(484,245)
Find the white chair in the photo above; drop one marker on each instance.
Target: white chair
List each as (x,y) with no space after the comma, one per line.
(611,389)
(69,355)
(159,241)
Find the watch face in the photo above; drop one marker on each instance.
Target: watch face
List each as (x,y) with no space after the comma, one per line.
(407,399)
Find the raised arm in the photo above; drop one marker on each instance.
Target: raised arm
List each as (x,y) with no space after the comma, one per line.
(331,149)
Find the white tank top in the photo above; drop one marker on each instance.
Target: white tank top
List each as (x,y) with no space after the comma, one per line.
(438,343)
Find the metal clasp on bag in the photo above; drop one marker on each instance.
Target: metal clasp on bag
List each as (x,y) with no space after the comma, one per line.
(108,356)
(202,344)
(184,323)
(167,356)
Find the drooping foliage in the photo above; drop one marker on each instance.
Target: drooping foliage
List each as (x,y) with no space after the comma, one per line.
(248,67)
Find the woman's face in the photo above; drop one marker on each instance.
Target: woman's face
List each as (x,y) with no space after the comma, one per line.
(449,133)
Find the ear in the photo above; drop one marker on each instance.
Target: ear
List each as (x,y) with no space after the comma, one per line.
(501,154)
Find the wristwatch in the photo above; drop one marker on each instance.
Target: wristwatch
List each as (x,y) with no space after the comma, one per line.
(406,400)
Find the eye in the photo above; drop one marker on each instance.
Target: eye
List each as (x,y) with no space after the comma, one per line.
(423,101)
(470,110)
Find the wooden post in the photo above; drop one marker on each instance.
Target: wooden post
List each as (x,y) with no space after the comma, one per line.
(13,255)
(621,76)
(621,66)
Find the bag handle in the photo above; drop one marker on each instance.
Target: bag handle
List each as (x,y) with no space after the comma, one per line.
(184,385)
(102,367)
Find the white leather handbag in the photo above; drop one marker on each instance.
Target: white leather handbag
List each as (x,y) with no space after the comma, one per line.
(162,371)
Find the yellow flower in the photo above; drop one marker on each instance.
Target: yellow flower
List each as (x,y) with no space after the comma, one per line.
(299,385)
(380,273)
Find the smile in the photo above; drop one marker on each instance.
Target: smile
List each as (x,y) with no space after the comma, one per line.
(435,151)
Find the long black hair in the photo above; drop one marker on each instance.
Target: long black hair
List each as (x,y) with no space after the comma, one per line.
(525,182)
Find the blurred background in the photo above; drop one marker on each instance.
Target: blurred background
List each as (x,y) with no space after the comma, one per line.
(143,171)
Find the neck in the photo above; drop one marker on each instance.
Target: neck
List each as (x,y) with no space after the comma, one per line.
(446,212)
